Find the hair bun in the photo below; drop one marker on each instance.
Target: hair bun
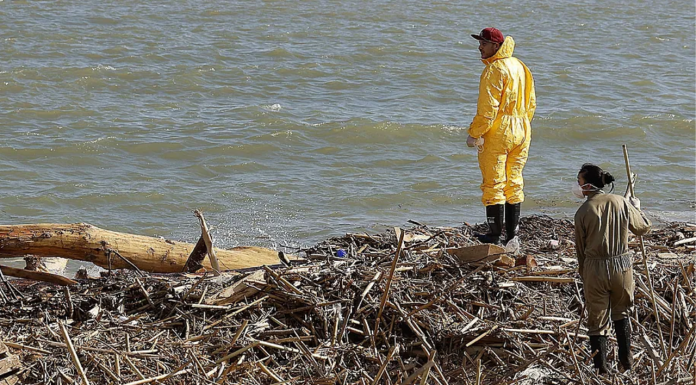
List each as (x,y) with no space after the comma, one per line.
(607,178)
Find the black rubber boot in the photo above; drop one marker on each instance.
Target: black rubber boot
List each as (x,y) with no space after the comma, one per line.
(494,218)
(623,337)
(599,344)
(512,220)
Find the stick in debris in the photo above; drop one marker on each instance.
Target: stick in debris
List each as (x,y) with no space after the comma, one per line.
(131,264)
(208,242)
(73,353)
(37,276)
(385,296)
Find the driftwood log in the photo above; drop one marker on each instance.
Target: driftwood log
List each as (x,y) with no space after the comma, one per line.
(37,276)
(110,249)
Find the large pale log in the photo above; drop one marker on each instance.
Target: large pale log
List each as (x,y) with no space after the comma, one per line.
(85,242)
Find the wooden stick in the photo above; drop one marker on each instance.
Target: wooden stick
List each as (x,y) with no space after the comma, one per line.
(106,370)
(25,347)
(13,291)
(208,243)
(683,241)
(481,336)
(575,358)
(645,259)
(162,377)
(37,276)
(382,368)
(238,352)
(478,371)
(686,276)
(134,368)
(678,351)
(541,278)
(145,293)
(269,372)
(418,372)
(73,353)
(385,296)
(68,299)
(675,296)
(424,377)
(126,260)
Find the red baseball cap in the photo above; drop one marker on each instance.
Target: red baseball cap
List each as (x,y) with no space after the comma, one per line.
(490,34)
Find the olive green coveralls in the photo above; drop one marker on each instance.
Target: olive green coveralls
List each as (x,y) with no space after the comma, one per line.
(601,241)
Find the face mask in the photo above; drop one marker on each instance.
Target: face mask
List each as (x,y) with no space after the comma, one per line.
(578,190)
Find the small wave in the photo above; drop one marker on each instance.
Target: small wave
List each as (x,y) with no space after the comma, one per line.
(279,53)
(341,85)
(103,20)
(454,129)
(256,150)
(272,107)
(54,114)
(102,67)
(286,133)
(98,140)
(430,159)
(426,186)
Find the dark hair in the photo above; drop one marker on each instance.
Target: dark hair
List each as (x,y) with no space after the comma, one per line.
(595,175)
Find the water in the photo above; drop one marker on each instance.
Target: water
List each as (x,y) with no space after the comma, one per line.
(287,122)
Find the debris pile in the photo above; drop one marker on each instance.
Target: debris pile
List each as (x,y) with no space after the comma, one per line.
(426,305)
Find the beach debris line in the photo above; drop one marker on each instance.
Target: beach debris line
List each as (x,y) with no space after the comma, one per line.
(365,318)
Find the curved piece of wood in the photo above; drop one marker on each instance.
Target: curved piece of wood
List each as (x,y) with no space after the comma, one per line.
(37,276)
(89,243)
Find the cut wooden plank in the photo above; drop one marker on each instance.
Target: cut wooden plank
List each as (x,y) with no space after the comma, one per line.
(85,242)
(683,241)
(10,366)
(541,278)
(240,290)
(37,276)
(668,256)
(482,254)
(410,237)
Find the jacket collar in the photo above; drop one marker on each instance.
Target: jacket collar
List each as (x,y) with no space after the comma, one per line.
(594,194)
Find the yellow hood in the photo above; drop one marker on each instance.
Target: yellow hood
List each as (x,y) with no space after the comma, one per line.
(505,51)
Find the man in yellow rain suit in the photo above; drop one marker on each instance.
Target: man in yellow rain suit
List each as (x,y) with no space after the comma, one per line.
(501,130)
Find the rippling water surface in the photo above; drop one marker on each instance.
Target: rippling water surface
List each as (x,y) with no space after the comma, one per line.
(287,122)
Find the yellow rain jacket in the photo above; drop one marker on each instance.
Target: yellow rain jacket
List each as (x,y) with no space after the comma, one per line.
(506,105)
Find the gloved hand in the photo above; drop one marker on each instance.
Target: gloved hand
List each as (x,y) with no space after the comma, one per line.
(635,202)
(470,141)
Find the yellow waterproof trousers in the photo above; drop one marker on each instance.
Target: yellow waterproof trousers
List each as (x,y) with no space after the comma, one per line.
(501,162)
